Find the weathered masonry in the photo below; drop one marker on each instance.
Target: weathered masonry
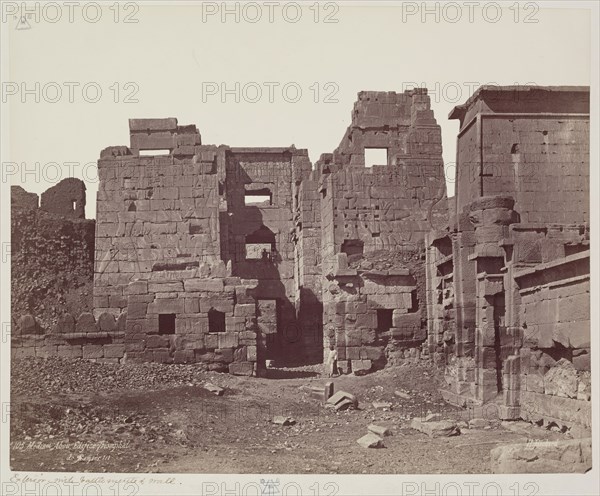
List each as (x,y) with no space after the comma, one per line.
(229,257)
(373,222)
(234,256)
(508,280)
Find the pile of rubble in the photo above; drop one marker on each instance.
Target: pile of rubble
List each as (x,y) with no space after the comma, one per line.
(36,422)
(58,375)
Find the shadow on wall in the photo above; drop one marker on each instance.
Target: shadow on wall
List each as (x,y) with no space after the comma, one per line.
(260,247)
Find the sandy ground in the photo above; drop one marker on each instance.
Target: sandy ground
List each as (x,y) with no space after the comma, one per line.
(178,426)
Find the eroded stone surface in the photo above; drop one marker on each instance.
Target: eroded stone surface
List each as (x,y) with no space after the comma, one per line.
(572,456)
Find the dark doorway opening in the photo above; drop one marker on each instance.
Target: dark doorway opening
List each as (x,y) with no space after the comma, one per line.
(353,247)
(384,319)
(166,323)
(216,321)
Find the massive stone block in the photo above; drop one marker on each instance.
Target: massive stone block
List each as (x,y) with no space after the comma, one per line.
(572,456)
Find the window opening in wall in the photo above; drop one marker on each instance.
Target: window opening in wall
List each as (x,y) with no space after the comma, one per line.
(384,319)
(353,247)
(154,153)
(216,321)
(260,245)
(166,323)
(376,156)
(258,197)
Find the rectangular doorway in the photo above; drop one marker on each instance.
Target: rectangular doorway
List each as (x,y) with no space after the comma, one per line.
(267,319)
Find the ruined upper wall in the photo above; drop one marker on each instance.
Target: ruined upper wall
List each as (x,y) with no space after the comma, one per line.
(384,206)
(66,198)
(52,259)
(21,199)
(529,142)
(389,120)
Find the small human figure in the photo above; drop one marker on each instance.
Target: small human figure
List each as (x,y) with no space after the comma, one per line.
(332,368)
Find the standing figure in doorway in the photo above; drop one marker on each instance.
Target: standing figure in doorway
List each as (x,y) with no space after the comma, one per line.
(332,368)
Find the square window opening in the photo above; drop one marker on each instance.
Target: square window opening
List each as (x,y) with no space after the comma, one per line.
(414,301)
(258,197)
(376,156)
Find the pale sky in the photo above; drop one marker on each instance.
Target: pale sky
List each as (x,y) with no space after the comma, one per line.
(171,52)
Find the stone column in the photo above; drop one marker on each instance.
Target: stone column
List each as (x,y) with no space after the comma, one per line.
(490,217)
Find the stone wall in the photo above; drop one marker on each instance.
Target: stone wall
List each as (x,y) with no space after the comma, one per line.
(162,256)
(528,142)
(99,340)
(67,198)
(182,232)
(517,276)
(266,174)
(552,380)
(386,208)
(371,318)
(52,258)
(22,200)
(308,262)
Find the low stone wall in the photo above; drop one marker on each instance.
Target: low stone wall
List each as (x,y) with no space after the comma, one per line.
(550,379)
(231,343)
(100,341)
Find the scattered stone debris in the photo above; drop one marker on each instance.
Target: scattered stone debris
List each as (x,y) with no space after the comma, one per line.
(285,421)
(382,405)
(442,428)
(345,404)
(322,393)
(573,456)
(379,430)
(371,441)
(60,375)
(214,389)
(478,423)
(402,395)
(342,401)
(433,417)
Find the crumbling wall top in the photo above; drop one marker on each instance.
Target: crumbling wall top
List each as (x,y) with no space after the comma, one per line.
(66,198)
(19,198)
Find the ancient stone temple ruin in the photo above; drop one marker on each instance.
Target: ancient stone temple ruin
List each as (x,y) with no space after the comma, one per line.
(508,279)
(232,257)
